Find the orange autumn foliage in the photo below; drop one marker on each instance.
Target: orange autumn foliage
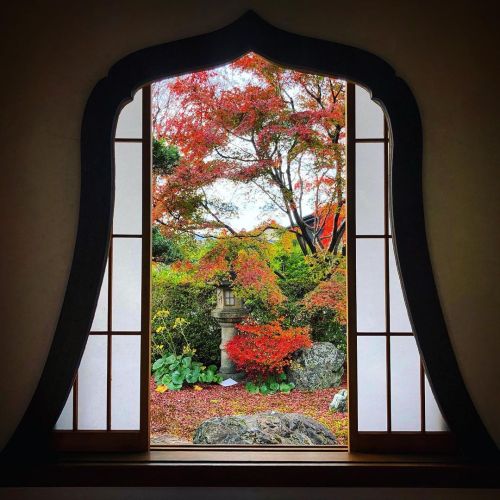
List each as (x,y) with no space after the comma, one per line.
(329,295)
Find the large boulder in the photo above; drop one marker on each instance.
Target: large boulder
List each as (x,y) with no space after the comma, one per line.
(339,401)
(318,367)
(263,428)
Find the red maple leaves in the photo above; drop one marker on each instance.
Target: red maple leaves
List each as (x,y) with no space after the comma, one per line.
(253,122)
(264,350)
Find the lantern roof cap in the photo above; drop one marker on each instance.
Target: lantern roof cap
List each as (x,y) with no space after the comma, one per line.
(227,281)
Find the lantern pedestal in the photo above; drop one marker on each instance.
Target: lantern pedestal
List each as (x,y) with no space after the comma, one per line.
(227,367)
(228,312)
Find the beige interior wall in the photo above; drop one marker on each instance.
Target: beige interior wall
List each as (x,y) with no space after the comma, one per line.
(54,52)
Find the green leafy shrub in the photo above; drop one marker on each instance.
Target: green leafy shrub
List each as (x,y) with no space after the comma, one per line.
(172,371)
(193,301)
(312,289)
(325,308)
(270,385)
(297,275)
(326,328)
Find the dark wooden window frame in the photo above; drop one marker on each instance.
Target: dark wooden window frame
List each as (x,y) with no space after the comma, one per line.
(250,33)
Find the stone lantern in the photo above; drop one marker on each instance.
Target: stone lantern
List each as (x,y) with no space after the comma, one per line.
(228,312)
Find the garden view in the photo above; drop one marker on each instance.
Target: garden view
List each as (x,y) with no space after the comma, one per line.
(249,271)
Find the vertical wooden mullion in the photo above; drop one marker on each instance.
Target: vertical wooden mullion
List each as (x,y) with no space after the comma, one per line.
(146,264)
(387,294)
(422,398)
(352,376)
(75,403)
(109,335)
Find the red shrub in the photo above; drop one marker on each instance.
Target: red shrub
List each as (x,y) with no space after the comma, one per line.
(264,350)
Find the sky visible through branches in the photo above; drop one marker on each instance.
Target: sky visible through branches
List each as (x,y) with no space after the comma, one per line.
(262,165)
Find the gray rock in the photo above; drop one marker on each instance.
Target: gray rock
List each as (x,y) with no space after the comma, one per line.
(263,428)
(319,367)
(339,401)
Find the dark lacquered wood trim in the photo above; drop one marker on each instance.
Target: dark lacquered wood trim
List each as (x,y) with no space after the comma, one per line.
(292,468)
(250,33)
(402,442)
(96,440)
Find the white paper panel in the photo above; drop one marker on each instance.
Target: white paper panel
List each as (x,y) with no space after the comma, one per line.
(434,421)
(372,384)
(369,116)
(370,188)
(126,314)
(370,285)
(65,421)
(127,217)
(126,382)
(92,384)
(100,323)
(405,384)
(129,124)
(400,321)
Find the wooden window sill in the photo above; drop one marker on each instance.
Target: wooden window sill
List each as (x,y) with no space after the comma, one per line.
(266,466)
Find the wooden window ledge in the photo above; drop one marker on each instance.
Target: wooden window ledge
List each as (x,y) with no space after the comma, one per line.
(239,466)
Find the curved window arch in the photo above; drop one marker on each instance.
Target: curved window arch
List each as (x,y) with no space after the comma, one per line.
(250,33)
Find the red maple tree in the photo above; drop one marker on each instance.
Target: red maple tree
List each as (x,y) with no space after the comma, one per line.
(278,131)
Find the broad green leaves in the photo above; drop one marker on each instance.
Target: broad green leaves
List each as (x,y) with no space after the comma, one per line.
(173,372)
(270,385)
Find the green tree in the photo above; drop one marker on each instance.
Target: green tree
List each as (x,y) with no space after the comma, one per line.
(164,250)
(165,157)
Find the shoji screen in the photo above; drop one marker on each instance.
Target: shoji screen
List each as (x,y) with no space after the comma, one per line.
(391,405)
(107,408)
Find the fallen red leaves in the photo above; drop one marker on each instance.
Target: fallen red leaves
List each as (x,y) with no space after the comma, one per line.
(179,413)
